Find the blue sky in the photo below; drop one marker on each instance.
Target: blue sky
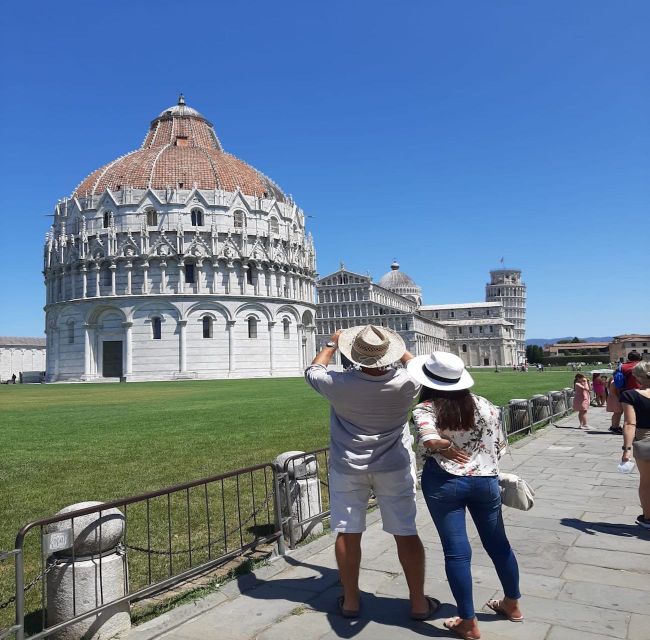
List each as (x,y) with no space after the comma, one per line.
(441,134)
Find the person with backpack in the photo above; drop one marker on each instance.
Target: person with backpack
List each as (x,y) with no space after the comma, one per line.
(629,381)
(614,406)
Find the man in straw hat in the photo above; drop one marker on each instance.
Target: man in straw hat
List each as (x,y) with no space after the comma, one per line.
(371,452)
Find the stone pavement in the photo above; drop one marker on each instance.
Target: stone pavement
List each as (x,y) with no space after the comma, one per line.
(585,564)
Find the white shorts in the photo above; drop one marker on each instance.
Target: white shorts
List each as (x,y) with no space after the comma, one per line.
(395,492)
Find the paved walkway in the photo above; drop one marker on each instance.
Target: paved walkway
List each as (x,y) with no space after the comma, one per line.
(585,564)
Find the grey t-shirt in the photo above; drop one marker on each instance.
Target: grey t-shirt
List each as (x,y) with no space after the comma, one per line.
(368,418)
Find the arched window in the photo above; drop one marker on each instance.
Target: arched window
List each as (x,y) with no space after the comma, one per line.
(252,327)
(249,275)
(207,327)
(152,218)
(190,273)
(286,323)
(238,218)
(71,332)
(107,219)
(464,348)
(197,217)
(156,328)
(274,226)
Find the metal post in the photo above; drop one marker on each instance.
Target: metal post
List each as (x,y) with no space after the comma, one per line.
(20,595)
(529,408)
(282,550)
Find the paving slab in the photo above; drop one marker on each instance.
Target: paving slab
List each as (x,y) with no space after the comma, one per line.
(584,565)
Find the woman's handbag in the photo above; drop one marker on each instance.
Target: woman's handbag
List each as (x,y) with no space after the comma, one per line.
(516,492)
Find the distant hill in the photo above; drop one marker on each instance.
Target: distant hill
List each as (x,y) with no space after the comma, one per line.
(540,342)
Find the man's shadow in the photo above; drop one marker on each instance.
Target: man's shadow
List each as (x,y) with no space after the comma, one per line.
(612,529)
(320,592)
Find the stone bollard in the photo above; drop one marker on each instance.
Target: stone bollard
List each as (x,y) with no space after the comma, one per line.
(541,408)
(96,577)
(519,419)
(303,498)
(558,404)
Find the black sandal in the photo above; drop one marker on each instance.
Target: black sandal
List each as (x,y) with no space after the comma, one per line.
(346,613)
(434,605)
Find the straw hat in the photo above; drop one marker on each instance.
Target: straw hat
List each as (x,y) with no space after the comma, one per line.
(440,370)
(371,346)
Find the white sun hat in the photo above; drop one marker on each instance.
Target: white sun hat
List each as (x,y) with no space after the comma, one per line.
(441,370)
(371,346)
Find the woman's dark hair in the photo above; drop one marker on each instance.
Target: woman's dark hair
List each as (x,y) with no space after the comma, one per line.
(454,410)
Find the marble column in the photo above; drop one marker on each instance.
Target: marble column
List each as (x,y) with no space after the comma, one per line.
(245,269)
(229,283)
(128,266)
(215,274)
(98,288)
(271,349)
(182,346)
(63,287)
(128,348)
(87,354)
(145,277)
(181,277)
(230,325)
(84,281)
(163,276)
(198,275)
(301,332)
(113,268)
(269,280)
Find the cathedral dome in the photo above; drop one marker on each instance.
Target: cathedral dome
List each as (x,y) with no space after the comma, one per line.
(401,283)
(180,151)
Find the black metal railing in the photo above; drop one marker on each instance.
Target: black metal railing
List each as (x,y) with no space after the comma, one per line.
(168,536)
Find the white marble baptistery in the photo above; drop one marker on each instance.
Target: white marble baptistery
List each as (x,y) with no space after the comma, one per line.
(178,260)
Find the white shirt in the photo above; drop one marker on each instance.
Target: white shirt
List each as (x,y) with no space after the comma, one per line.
(485,443)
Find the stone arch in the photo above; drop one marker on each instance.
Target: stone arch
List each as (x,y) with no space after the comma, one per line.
(252,307)
(154,307)
(201,308)
(287,309)
(308,318)
(95,313)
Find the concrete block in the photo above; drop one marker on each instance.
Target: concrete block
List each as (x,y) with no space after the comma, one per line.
(604,576)
(607,596)
(611,559)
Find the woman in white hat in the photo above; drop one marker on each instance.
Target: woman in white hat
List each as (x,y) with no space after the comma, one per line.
(461,437)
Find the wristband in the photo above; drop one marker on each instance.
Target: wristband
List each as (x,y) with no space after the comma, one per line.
(626,448)
(449,446)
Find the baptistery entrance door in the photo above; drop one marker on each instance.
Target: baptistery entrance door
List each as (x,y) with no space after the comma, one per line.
(112,359)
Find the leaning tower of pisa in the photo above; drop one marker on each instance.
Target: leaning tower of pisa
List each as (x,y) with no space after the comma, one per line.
(506,287)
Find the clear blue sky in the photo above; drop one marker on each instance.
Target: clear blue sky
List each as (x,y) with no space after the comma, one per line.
(441,134)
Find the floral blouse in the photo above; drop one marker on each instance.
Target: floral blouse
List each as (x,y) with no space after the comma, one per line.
(485,443)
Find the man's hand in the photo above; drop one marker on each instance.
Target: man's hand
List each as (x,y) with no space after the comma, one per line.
(335,336)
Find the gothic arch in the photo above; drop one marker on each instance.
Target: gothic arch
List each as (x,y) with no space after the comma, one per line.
(253,307)
(287,309)
(200,308)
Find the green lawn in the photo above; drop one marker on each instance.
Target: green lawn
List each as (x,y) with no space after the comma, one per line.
(67,443)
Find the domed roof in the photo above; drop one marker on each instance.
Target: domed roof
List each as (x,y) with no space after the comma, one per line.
(396,279)
(180,151)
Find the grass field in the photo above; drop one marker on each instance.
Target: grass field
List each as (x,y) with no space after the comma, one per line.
(70,443)
(67,443)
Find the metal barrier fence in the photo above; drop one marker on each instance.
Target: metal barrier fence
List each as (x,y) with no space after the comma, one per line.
(168,536)
(178,532)
(522,416)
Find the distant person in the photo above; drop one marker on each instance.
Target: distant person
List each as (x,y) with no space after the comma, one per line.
(581,398)
(13,378)
(371,452)
(462,439)
(627,367)
(599,389)
(614,406)
(636,434)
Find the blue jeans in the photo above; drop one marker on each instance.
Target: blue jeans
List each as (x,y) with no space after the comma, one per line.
(447,496)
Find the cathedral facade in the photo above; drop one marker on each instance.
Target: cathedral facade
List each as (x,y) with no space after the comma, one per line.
(178,260)
(487,334)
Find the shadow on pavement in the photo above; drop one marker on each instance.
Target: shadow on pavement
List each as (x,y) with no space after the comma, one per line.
(612,529)
(319,593)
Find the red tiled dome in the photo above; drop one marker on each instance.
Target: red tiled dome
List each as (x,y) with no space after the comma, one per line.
(181,150)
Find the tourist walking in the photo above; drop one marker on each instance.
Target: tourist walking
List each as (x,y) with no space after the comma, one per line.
(636,434)
(461,439)
(581,398)
(371,452)
(614,406)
